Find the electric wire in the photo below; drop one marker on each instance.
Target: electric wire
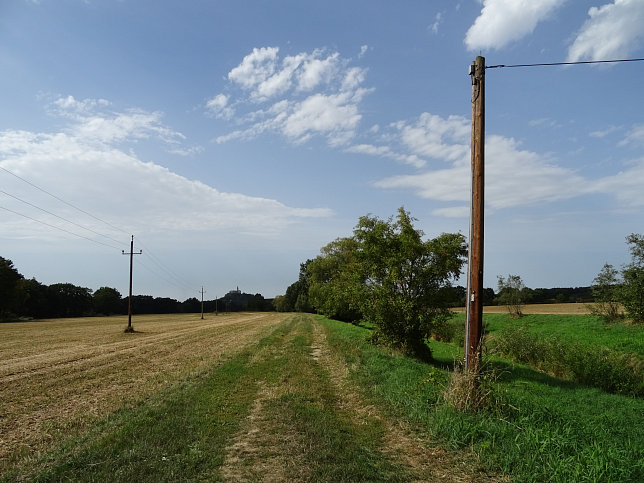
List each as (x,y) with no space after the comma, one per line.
(59,217)
(62,200)
(158,274)
(57,227)
(150,254)
(612,61)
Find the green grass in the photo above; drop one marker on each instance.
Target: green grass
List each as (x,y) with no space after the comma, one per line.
(586,330)
(539,429)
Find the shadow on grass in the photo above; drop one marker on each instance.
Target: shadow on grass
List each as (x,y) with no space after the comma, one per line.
(509,372)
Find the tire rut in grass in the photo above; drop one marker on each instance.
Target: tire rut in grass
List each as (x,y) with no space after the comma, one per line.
(424,462)
(297,429)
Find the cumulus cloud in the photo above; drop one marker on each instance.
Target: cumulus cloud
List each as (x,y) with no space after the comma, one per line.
(218,105)
(299,96)
(115,185)
(612,30)
(502,22)
(514,176)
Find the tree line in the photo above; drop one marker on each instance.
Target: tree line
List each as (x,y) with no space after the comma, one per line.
(22,298)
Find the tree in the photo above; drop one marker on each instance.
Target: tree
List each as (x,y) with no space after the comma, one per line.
(69,300)
(191,305)
(11,293)
(279,302)
(404,277)
(333,278)
(38,300)
(605,291)
(297,294)
(632,289)
(512,293)
(107,301)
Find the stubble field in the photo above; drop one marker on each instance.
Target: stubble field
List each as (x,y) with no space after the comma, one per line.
(58,376)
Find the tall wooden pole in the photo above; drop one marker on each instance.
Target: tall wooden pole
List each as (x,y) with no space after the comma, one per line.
(201,303)
(474,329)
(129,299)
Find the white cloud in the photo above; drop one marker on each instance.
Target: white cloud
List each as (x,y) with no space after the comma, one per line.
(386,152)
(116,186)
(600,134)
(613,30)
(514,177)
(255,68)
(311,94)
(435,137)
(502,22)
(316,71)
(218,105)
(334,115)
(437,21)
(626,186)
(70,104)
(634,137)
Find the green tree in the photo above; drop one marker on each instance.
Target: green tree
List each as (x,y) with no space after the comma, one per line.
(605,289)
(335,280)
(107,301)
(512,293)
(402,279)
(297,294)
(69,300)
(37,303)
(279,303)
(632,289)
(11,290)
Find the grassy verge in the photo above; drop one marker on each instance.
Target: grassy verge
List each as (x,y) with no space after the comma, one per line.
(540,429)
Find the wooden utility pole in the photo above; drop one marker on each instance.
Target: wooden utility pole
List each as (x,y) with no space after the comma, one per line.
(129,299)
(201,303)
(474,325)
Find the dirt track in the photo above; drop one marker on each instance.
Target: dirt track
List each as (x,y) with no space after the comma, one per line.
(59,375)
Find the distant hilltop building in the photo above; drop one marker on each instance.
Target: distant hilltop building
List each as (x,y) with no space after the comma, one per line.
(232,293)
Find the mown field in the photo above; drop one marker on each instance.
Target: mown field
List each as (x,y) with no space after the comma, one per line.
(278,397)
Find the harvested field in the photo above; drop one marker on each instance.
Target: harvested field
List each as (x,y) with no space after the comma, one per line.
(58,376)
(571,309)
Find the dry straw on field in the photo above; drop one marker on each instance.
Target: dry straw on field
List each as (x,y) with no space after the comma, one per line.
(59,375)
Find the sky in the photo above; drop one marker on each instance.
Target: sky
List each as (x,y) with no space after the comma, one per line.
(235,138)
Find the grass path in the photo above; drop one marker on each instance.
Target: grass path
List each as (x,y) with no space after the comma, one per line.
(281,408)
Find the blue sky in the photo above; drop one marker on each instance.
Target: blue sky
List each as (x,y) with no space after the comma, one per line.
(234,138)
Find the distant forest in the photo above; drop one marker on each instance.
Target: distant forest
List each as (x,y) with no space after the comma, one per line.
(22,298)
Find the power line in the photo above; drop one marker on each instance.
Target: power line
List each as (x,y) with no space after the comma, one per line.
(57,227)
(178,280)
(62,200)
(564,63)
(59,217)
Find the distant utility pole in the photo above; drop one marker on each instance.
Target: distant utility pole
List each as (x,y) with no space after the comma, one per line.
(129,299)
(474,325)
(202,302)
